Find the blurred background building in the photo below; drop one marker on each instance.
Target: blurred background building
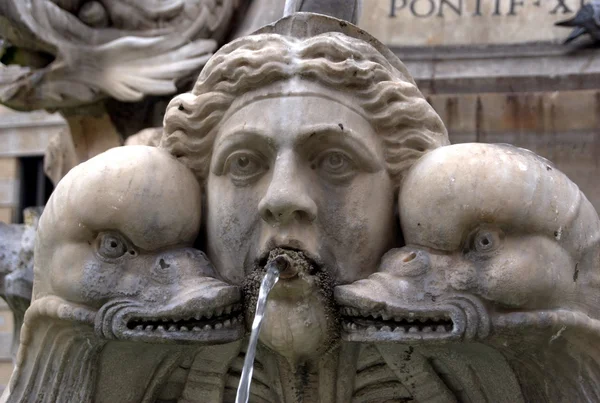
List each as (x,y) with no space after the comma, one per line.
(23,141)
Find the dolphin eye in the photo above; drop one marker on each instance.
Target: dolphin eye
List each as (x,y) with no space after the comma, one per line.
(111,246)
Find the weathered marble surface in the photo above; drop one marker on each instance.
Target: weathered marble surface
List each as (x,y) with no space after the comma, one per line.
(424,271)
(317,173)
(502,254)
(107,283)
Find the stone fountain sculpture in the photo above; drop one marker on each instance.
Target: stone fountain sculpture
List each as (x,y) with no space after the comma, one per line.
(110,67)
(16,267)
(416,270)
(62,54)
(107,66)
(107,285)
(301,135)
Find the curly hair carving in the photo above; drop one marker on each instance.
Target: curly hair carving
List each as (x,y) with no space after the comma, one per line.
(407,124)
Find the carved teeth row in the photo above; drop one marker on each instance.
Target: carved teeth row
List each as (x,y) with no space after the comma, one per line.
(347,325)
(173,327)
(350,311)
(382,315)
(200,316)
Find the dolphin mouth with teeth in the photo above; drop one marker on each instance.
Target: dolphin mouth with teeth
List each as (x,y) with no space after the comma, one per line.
(184,327)
(455,318)
(407,322)
(195,319)
(402,325)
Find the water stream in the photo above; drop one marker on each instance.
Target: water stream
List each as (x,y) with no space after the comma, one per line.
(267,284)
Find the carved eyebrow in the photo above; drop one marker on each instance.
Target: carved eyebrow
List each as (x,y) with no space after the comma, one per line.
(310,142)
(334,135)
(232,140)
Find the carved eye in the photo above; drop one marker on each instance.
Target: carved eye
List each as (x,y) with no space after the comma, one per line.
(485,241)
(244,166)
(336,165)
(111,246)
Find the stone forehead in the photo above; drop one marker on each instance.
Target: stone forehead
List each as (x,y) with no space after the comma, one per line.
(143,192)
(294,87)
(456,188)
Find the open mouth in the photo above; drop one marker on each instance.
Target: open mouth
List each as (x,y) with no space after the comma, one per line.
(352,319)
(297,254)
(218,325)
(401,325)
(221,318)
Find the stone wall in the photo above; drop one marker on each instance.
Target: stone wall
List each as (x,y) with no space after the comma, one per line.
(561,126)
(465,22)
(9,185)
(21,135)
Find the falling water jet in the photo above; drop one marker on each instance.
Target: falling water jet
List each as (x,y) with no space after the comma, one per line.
(279,266)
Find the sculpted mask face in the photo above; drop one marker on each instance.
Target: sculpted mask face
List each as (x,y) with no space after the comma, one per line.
(301,172)
(301,142)
(307,175)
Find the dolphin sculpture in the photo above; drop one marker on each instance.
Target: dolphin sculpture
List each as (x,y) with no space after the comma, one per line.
(120,297)
(61,54)
(497,287)
(585,21)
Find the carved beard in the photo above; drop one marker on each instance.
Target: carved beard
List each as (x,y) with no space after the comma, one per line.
(300,325)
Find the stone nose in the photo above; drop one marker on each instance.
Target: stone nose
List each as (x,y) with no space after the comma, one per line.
(288,196)
(284,208)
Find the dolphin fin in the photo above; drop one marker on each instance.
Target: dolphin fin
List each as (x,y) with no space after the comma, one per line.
(566,23)
(575,33)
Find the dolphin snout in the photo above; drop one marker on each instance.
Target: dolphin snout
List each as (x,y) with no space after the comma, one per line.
(406,262)
(185,262)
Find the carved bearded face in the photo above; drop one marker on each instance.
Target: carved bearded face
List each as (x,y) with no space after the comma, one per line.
(304,172)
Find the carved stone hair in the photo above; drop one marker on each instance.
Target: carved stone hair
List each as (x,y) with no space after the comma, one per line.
(389,98)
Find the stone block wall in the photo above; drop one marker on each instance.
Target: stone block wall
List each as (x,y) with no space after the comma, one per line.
(563,126)
(9,187)
(21,135)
